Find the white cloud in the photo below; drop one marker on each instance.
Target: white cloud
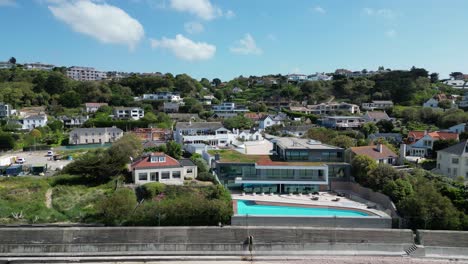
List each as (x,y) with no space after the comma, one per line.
(384,13)
(185,49)
(106,23)
(194,27)
(8,3)
(230,14)
(201,8)
(319,9)
(246,46)
(391,33)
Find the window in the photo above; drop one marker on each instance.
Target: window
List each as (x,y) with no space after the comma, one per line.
(165,175)
(142,176)
(455,172)
(189,170)
(154,176)
(454,160)
(162,159)
(438,166)
(176,174)
(427,143)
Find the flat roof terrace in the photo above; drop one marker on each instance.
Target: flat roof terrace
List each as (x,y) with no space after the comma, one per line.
(232,156)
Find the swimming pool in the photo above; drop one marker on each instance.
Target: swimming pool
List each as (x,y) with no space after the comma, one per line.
(252,208)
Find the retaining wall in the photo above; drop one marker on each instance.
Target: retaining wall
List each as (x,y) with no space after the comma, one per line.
(331,222)
(444,243)
(197,240)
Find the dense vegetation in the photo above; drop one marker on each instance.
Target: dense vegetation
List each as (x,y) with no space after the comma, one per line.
(424,200)
(91,190)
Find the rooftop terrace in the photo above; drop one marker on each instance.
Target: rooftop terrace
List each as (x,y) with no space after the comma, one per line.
(232,156)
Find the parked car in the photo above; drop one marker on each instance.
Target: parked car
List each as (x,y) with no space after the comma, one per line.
(20,160)
(50,153)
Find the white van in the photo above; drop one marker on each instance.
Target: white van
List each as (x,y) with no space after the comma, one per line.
(50,153)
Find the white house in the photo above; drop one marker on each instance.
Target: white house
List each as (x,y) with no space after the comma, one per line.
(319,77)
(227,109)
(453,161)
(431,103)
(159,167)
(327,108)
(5,110)
(93,107)
(134,113)
(297,77)
(420,143)
(464,101)
(457,84)
(94,135)
(210,133)
(269,121)
(340,122)
(296,131)
(166,96)
(248,135)
(382,105)
(33,121)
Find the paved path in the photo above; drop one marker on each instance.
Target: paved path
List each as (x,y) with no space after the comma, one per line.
(266,260)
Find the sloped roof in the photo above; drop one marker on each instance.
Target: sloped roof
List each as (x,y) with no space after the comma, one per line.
(378,115)
(444,135)
(373,152)
(145,162)
(457,149)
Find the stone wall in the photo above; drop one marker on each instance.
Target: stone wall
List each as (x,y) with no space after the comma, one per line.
(444,243)
(196,240)
(362,194)
(331,222)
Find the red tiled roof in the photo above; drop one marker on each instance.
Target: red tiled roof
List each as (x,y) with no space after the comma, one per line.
(417,135)
(373,152)
(254,116)
(145,162)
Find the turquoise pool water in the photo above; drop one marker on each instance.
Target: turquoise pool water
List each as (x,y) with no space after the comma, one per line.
(86,146)
(251,208)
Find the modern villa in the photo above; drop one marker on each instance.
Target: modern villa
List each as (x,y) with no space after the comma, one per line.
(295,166)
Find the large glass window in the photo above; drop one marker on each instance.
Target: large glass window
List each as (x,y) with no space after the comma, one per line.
(142,176)
(165,175)
(176,174)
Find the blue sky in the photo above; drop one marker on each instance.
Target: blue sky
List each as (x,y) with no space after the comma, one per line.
(228,38)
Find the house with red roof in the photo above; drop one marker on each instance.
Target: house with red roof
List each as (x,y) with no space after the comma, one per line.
(420,143)
(380,153)
(159,167)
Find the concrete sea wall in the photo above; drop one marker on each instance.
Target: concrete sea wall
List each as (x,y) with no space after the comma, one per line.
(40,241)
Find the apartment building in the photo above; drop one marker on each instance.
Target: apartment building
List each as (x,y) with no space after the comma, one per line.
(227,109)
(85,74)
(328,108)
(134,113)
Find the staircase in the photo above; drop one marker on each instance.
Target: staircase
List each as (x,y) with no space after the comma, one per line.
(415,251)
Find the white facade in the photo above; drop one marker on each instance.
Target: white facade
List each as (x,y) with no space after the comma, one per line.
(327,108)
(33,121)
(247,135)
(343,121)
(460,128)
(134,113)
(457,84)
(210,133)
(166,96)
(464,101)
(431,103)
(268,122)
(297,77)
(5,110)
(228,109)
(38,66)
(85,74)
(453,161)
(93,107)
(319,77)
(93,135)
(382,105)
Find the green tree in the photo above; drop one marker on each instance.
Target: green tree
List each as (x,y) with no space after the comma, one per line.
(385,126)
(118,207)
(12,60)
(445,104)
(369,128)
(70,99)
(380,176)
(434,77)
(7,141)
(239,122)
(174,149)
(343,141)
(35,133)
(55,125)
(398,189)
(361,167)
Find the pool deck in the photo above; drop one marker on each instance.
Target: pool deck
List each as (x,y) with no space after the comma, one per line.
(325,200)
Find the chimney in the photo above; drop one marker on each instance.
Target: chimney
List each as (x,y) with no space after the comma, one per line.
(425,132)
(379,148)
(402,154)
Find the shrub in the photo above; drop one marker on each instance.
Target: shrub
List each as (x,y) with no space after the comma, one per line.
(117,208)
(152,189)
(206,176)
